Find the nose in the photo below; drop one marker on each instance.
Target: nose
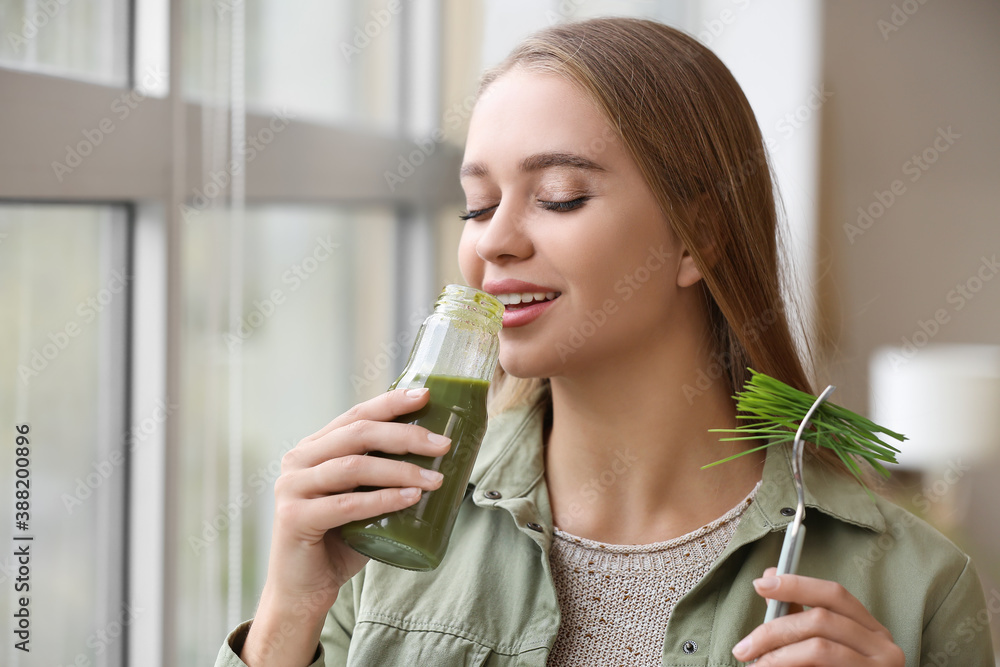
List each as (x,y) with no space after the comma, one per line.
(503,238)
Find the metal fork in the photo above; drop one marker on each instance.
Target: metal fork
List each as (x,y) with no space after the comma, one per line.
(795,534)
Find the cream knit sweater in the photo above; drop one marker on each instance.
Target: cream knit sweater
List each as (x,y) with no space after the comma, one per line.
(615,599)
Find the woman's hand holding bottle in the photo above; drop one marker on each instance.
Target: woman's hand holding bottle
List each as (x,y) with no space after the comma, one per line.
(315,495)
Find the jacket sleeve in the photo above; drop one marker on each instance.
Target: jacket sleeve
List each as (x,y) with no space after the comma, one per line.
(958,632)
(339,626)
(335,639)
(229,653)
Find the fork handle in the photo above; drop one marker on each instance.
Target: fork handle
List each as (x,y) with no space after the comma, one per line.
(788,563)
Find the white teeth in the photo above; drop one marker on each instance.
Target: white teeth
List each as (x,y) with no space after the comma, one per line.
(525,297)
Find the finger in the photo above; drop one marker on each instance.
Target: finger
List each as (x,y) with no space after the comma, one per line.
(816,623)
(328,512)
(811,592)
(349,472)
(769,572)
(384,407)
(772,572)
(815,652)
(364,436)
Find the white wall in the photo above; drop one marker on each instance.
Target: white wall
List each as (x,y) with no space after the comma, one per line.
(774,49)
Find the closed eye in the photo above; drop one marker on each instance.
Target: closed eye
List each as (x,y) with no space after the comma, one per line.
(472,215)
(563,206)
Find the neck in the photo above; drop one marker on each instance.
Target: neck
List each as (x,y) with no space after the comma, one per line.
(628,440)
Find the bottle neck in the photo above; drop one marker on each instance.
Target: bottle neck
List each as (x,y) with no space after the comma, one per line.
(459,339)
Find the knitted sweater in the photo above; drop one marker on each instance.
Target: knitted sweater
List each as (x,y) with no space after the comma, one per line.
(615,600)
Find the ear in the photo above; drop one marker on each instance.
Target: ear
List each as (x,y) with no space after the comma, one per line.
(688,272)
(699,222)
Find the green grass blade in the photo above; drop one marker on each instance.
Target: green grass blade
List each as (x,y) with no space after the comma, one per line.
(775,409)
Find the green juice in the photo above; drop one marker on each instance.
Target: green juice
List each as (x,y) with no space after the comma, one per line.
(415,538)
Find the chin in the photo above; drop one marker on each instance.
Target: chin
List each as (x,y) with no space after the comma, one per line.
(528,365)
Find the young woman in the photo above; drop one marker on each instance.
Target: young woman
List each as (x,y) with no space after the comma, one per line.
(618,189)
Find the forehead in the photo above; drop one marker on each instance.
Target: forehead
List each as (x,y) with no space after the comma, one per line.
(532,111)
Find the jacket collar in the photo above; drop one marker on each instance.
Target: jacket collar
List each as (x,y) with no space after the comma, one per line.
(511,462)
(827,490)
(511,457)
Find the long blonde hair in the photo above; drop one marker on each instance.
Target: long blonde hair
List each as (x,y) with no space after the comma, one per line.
(686,123)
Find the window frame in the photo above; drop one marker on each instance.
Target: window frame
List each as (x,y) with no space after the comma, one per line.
(148,160)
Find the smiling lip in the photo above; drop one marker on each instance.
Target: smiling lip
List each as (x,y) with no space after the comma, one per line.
(517,316)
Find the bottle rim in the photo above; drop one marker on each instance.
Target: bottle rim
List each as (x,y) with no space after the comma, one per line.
(472,300)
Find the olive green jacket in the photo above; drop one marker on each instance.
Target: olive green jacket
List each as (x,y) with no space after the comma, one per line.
(492,601)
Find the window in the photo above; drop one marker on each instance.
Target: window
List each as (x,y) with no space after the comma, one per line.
(180,321)
(83,40)
(265,364)
(65,277)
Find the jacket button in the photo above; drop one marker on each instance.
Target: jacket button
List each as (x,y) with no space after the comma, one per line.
(536,527)
(787,511)
(493,495)
(690,647)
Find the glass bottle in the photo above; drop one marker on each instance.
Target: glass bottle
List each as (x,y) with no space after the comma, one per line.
(454,355)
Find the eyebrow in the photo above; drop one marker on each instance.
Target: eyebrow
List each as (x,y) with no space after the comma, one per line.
(537,162)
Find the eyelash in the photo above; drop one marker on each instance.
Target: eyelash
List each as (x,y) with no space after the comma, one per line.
(558,206)
(471,215)
(564,206)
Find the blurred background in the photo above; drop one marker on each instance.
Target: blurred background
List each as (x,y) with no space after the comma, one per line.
(221,223)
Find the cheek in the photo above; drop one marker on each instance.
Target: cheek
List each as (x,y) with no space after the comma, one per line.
(469,262)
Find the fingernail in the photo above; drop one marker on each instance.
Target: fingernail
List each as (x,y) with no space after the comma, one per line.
(416,393)
(766,583)
(438,440)
(743,648)
(409,492)
(431,475)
